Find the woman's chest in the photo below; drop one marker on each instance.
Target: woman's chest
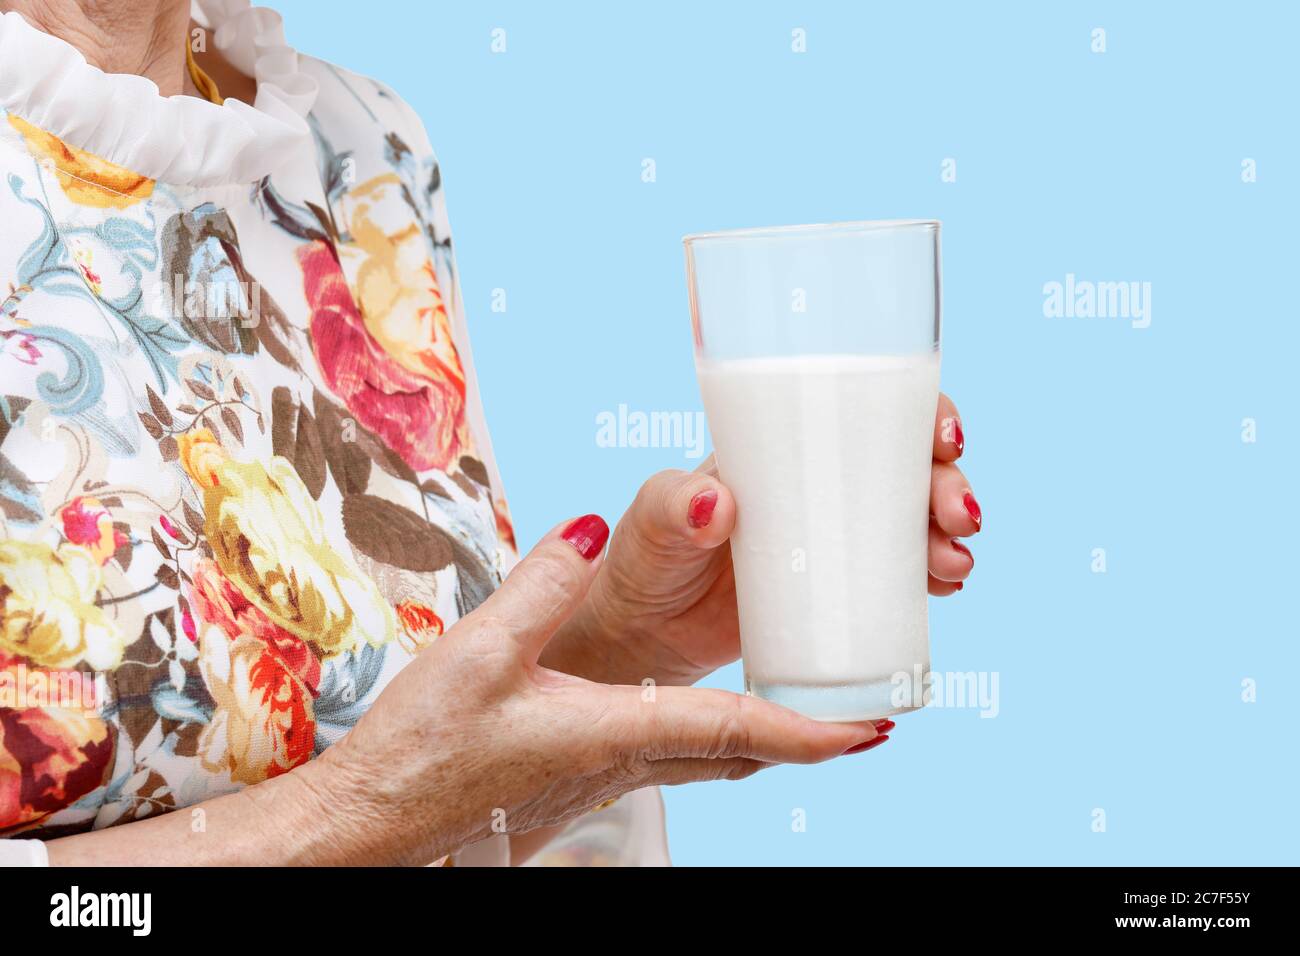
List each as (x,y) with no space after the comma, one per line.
(242,491)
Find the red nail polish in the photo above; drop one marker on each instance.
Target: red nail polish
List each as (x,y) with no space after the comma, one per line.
(958,585)
(866,745)
(957,435)
(972,506)
(961,548)
(588,535)
(883,726)
(700,511)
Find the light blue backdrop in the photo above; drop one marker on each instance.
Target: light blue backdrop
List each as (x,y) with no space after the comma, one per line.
(1120,691)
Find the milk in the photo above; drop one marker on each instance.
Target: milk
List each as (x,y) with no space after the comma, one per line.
(829,460)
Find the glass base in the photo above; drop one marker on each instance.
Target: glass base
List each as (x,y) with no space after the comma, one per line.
(842,702)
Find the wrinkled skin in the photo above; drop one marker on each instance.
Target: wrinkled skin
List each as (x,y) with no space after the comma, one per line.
(476,737)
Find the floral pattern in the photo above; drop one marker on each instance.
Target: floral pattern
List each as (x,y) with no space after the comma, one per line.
(49,611)
(84,177)
(243,512)
(263,680)
(49,758)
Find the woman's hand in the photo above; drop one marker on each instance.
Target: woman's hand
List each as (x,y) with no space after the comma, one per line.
(664,604)
(473,738)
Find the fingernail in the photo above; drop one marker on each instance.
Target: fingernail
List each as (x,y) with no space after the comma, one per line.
(961,548)
(700,511)
(957,435)
(958,585)
(866,745)
(972,506)
(588,535)
(883,726)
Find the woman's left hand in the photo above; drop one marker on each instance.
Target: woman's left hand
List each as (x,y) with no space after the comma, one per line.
(663,606)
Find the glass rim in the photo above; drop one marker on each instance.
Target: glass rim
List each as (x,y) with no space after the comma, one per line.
(778,232)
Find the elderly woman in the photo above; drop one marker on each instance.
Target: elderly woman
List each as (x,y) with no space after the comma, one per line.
(253,544)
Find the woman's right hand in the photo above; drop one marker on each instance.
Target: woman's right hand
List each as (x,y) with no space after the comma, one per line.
(474,737)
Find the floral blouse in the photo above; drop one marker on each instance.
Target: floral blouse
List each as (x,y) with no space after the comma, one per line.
(244,472)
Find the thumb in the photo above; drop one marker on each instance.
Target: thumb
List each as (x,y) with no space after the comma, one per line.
(682,511)
(547,586)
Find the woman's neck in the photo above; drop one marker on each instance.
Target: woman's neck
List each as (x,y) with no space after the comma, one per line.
(145,37)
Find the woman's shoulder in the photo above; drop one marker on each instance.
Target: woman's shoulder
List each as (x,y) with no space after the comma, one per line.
(370,144)
(354,111)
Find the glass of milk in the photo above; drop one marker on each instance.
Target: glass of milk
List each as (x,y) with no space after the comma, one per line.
(817,352)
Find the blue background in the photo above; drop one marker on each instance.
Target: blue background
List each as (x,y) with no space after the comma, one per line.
(1119,691)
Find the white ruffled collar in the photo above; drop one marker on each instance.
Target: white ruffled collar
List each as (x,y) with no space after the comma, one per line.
(180,140)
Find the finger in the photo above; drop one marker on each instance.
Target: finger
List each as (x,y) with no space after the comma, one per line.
(952,502)
(950,560)
(941,588)
(949,441)
(682,509)
(546,586)
(695,722)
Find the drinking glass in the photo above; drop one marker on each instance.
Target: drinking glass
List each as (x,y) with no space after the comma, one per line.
(817,354)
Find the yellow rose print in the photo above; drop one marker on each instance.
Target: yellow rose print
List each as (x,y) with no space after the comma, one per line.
(268,537)
(47,609)
(201,455)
